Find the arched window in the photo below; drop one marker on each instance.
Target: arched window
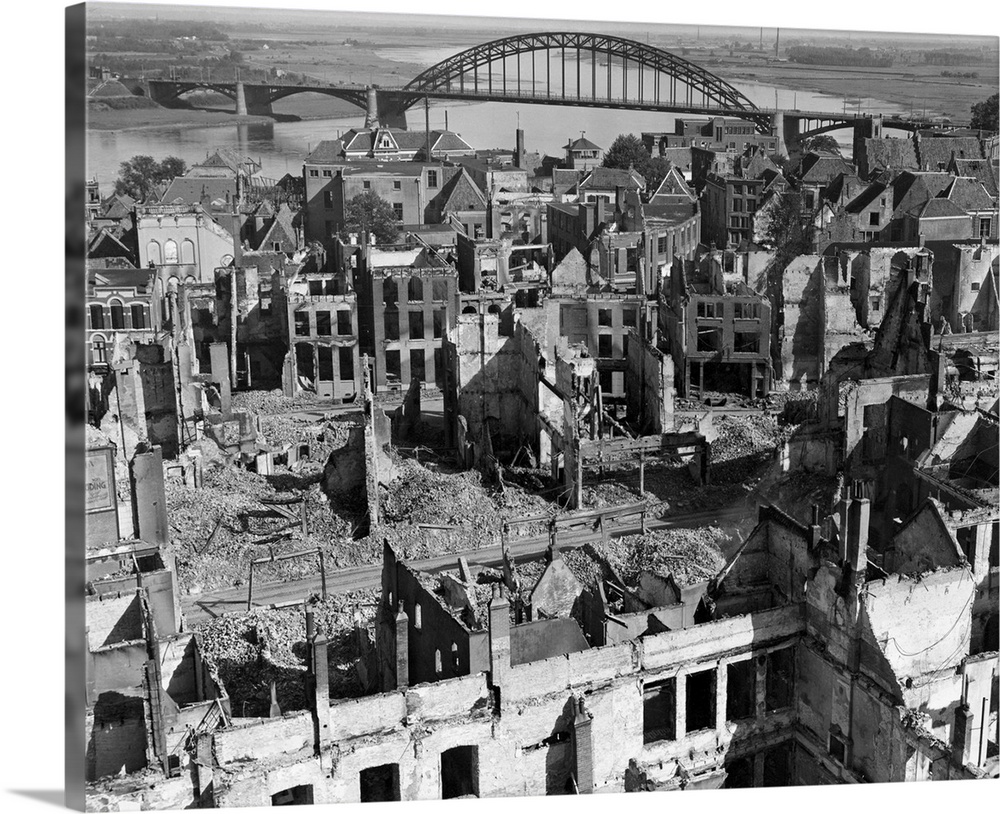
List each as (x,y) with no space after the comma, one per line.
(117,315)
(98,350)
(153,253)
(187,252)
(390,291)
(469,309)
(418,616)
(226,260)
(415,290)
(437,662)
(138,317)
(170,252)
(454,656)
(97,317)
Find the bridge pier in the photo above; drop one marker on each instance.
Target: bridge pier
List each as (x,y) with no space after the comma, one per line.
(253,101)
(788,131)
(371,111)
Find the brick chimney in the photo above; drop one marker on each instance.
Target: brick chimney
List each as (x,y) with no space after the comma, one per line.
(583,747)
(858,522)
(499,643)
(402,648)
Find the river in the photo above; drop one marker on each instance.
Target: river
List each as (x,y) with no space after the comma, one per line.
(282,146)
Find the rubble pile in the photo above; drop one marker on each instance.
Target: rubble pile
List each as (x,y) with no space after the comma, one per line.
(273,402)
(251,650)
(690,555)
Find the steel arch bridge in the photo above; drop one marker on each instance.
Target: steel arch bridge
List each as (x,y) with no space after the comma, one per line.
(650,78)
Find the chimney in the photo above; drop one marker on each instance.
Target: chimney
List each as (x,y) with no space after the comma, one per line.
(858,521)
(961,735)
(583,747)
(519,149)
(843,514)
(321,693)
(598,213)
(499,644)
(402,649)
(814,529)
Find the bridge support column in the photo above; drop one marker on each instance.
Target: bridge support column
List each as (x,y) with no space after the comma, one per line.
(253,101)
(241,99)
(778,130)
(371,112)
(868,127)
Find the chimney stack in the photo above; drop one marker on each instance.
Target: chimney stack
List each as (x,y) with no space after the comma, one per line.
(499,614)
(859,519)
(519,149)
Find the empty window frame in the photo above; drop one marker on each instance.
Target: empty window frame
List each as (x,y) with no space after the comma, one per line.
(416,324)
(380,784)
(741,690)
(659,711)
(604,317)
(604,346)
(390,291)
(439,290)
(709,340)
(302,323)
(97,317)
(417,365)
(323,326)
(746,342)
(700,700)
(438,367)
(780,679)
(295,796)
(629,317)
(709,310)
(117,316)
(392,374)
(440,320)
(460,772)
(346,359)
(138,317)
(315,288)
(390,321)
(415,290)
(344,326)
(324,355)
(746,310)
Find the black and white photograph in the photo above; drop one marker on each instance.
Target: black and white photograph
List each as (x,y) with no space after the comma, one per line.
(475,405)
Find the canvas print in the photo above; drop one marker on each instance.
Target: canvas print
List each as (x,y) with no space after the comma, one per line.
(486,407)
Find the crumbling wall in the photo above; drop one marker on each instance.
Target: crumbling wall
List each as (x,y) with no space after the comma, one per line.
(497,380)
(799,340)
(649,387)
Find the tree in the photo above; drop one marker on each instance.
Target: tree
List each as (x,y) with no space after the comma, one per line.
(656,170)
(627,151)
(369,213)
(138,175)
(985,114)
(790,229)
(822,143)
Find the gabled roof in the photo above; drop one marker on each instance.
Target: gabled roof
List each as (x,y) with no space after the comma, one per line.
(612,178)
(936,153)
(910,190)
(460,193)
(582,144)
(281,230)
(139,279)
(330,151)
(969,195)
(925,542)
(865,198)
(117,206)
(940,208)
(191,190)
(821,167)
(673,185)
(892,153)
(979,168)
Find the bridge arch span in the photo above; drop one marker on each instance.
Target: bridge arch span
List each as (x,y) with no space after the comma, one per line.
(578,68)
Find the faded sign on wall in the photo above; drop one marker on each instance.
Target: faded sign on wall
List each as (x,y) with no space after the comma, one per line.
(100,480)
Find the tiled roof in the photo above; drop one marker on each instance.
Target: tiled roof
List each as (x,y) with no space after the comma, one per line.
(894,153)
(190,190)
(120,278)
(968,195)
(817,167)
(867,195)
(979,168)
(936,153)
(460,192)
(582,144)
(940,208)
(330,151)
(911,189)
(610,178)
(673,184)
